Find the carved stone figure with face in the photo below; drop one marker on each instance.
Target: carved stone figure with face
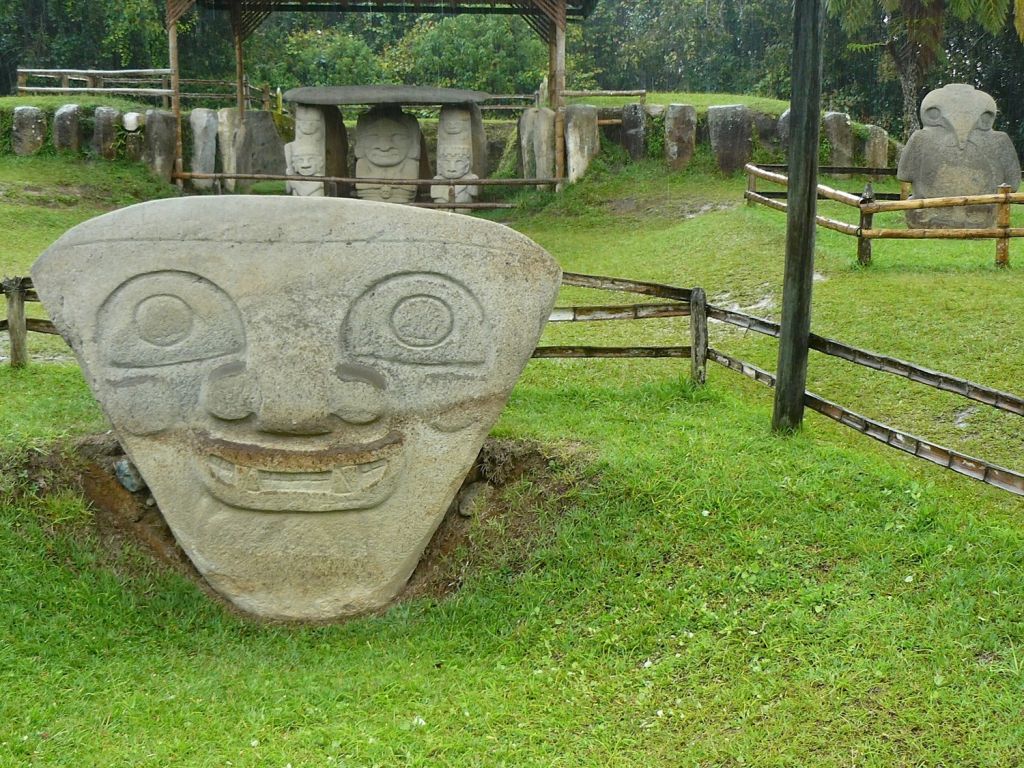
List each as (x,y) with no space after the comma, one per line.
(302,383)
(956,152)
(307,155)
(387,147)
(455,156)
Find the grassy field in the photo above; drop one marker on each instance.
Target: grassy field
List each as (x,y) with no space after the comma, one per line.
(702,594)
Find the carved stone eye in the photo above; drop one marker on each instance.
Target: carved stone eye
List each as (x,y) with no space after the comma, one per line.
(419,318)
(167,318)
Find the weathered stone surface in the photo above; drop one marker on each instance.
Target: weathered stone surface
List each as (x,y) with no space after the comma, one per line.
(766,129)
(783,130)
(303,384)
(680,135)
(956,152)
(383,95)
(307,154)
(537,143)
(128,476)
(479,138)
(161,139)
(134,136)
(204,145)
(258,146)
(455,157)
(582,140)
(655,110)
(228,122)
(28,132)
(105,121)
(731,129)
(67,128)
(876,147)
(838,131)
(389,146)
(634,130)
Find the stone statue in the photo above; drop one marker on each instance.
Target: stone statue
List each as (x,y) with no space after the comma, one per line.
(388,146)
(956,152)
(455,156)
(303,384)
(307,155)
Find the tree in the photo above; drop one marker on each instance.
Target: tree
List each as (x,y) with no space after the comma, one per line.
(913,33)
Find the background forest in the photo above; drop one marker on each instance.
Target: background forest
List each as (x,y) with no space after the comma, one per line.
(881,55)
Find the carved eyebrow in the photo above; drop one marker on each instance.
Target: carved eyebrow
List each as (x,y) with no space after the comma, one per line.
(361,373)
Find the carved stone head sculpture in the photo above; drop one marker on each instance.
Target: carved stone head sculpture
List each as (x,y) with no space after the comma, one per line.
(307,154)
(387,147)
(303,383)
(956,152)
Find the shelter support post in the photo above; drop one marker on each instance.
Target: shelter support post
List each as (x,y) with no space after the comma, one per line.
(791,371)
(556,82)
(238,37)
(172,51)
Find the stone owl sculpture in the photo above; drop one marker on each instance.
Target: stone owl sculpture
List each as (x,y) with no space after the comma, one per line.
(956,152)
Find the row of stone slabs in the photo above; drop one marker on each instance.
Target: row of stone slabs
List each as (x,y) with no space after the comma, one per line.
(732,131)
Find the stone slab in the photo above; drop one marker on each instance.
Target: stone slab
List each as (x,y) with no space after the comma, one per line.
(105,121)
(537,143)
(731,131)
(876,147)
(161,141)
(680,135)
(582,140)
(383,94)
(67,128)
(28,131)
(838,131)
(634,131)
(302,383)
(203,123)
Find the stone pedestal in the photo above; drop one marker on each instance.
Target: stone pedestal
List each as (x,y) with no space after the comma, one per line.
(134,135)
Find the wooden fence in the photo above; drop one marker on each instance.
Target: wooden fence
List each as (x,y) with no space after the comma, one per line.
(692,303)
(137,83)
(869,203)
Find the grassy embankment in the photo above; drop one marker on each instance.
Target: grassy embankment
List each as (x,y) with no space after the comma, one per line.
(714,596)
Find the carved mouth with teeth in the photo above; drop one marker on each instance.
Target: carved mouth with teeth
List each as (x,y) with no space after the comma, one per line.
(331,479)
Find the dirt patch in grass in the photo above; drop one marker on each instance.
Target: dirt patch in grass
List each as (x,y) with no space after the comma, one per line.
(503,511)
(666,207)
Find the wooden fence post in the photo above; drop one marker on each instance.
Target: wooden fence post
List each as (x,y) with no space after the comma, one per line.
(1003,221)
(866,219)
(22,80)
(14,290)
(698,337)
(751,187)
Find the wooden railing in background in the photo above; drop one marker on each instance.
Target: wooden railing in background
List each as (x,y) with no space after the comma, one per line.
(691,302)
(869,203)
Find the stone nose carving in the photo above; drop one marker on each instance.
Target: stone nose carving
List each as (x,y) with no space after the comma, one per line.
(302,382)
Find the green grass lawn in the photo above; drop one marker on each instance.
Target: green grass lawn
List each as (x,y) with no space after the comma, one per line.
(708,595)
(699,100)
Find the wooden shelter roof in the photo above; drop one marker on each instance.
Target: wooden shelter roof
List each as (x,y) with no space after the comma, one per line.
(247,15)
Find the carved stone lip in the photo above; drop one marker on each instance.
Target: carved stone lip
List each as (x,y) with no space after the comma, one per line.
(335,478)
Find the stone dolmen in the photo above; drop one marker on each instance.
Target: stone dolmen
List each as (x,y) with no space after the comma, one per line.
(303,384)
(956,152)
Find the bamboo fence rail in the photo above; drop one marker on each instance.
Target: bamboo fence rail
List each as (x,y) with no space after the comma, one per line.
(868,204)
(689,302)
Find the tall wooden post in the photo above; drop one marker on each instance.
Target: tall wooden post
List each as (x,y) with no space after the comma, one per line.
(698,337)
(1003,221)
(236,33)
(172,52)
(556,82)
(14,289)
(805,116)
(866,220)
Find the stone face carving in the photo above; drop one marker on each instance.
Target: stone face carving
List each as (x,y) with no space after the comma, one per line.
(204,144)
(388,146)
(731,129)
(455,156)
(28,131)
(307,154)
(303,384)
(956,152)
